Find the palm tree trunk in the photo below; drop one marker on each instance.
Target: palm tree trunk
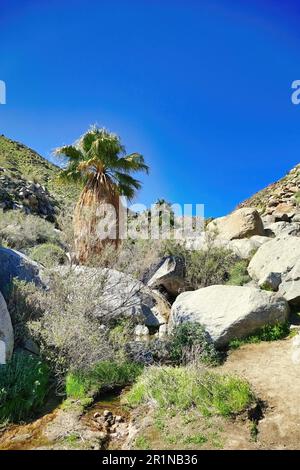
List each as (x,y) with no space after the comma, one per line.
(96,219)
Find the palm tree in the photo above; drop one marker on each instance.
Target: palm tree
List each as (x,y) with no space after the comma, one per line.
(99,161)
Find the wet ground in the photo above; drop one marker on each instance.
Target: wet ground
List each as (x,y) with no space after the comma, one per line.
(70,428)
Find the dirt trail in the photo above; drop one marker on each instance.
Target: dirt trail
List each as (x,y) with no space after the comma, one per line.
(275,379)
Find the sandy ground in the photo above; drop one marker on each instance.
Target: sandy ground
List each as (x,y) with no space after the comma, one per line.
(276,380)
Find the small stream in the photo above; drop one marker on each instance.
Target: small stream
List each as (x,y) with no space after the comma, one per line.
(33,435)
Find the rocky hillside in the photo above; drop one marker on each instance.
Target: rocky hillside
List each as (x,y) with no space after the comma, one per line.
(231,303)
(280,200)
(29,183)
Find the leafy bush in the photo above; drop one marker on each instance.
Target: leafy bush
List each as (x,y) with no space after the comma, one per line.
(203,267)
(48,254)
(182,388)
(238,274)
(20,231)
(103,375)
(267,333)
(189,342)
(24,383)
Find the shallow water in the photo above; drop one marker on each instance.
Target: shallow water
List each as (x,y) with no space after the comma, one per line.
(31,435)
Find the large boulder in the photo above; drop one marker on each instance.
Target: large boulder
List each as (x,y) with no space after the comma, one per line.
(282,229)
(6,333)
(276,265)
(242,223)
(14,264)
(284,212)
(228,312)
(244,248)
(118,295)
(290,286)
(169,274)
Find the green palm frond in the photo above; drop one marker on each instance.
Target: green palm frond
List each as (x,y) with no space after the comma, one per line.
(126,191)
(86,141)
(132,162)
(124,178)
(70,152)
(99,152)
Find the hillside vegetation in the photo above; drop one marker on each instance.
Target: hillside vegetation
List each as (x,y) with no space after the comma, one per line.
(20,166)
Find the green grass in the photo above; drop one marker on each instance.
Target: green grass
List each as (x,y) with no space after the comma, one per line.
(142,443)
(267,333)
(72,439)
(24,384)
(176,389)
(104,375)
(238,275)
(197,439)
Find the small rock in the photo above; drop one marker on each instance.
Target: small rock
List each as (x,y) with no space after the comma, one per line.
(107,413)
(163,331)
(141,330)
(270,281)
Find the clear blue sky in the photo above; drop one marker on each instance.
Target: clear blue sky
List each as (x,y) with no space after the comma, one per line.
(201,88)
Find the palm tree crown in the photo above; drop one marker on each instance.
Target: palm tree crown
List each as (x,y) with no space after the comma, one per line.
(98,156)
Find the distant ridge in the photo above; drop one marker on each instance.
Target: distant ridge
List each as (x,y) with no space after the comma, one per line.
(278,196)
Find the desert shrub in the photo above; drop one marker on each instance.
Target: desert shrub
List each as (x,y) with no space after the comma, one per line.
(24,384)
(122,333)
(68,333)
(23,308)
(238,274)
(204,267)
(188,342)
(176,389)
(78,310)
(133,257)
(103,375)
(21,231)
(266,333)
(65,223)
(48,254)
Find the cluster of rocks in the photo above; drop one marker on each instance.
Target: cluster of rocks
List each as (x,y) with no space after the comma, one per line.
(279,201)
(114,426)
(271,242)
(229,312)
(26,196)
